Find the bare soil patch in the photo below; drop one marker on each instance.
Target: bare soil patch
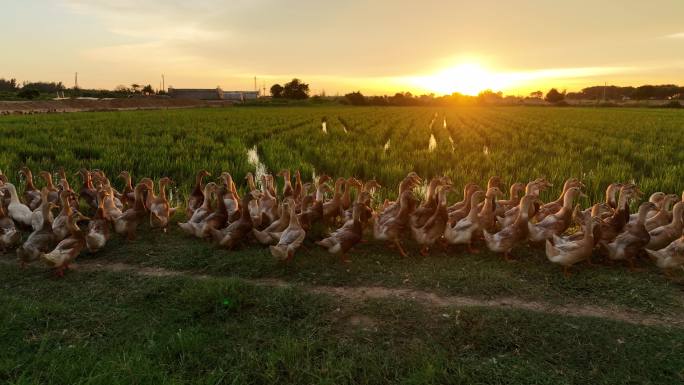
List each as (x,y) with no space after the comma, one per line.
(362,293)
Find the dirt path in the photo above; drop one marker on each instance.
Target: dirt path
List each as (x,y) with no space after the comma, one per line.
(361,293)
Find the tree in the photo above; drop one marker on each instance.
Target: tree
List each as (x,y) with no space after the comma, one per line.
(135,87)
(277,91)
(553,96)
(148,90)
(537,95)
(8,85)
(295,89)
(489,97)
(122,89)
(356,98)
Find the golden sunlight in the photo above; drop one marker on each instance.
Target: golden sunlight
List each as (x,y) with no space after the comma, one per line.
(466,78)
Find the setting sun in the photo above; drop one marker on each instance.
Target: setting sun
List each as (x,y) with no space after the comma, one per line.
(467,78)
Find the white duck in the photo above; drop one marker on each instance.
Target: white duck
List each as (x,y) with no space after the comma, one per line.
(567,252)
(664,235)
(290,239)
(19,212)
(555,224)
(670,257)
(463,231)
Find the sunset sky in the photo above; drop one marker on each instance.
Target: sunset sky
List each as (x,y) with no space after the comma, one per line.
(379,46)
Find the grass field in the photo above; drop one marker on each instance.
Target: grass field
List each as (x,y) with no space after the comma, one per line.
(171,309)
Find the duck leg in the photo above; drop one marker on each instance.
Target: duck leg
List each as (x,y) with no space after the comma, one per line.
(632,266)
(401,249)
(566,271)
(471,249)
(508,257)
(445,245)
(130,235)
(425,251)
(344,258)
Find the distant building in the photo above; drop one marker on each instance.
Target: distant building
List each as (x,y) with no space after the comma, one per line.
(212,94)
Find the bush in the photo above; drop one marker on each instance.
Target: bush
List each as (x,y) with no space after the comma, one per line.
(28,93)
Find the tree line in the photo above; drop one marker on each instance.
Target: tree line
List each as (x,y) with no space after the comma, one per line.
(553,96)
(34,90)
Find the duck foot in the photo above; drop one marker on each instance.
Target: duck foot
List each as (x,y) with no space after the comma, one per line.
(345,259)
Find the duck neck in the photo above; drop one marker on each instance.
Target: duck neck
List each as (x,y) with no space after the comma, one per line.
(338,190)
(14,198)
(87,181)
(514,195)
(610,196)
(139,200)
(162,191)
(129,183)
(206,203)
(489,204)
(429,195)
(74,230)
(473,212)
(48,182)
(567,201)
(524,212)
(622,201)
(346,196)
(677,213)
(244,213)
(404,208)
(198,181)
(66,207)
(250,182)
(642,215)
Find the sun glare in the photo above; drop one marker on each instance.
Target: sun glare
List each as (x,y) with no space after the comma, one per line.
(466,78)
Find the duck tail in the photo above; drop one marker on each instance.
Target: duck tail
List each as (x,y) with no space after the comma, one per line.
(655,254)
(261,236)
(279,251)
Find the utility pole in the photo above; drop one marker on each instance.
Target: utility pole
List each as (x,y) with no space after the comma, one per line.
(163,84)
(76,80)
(255,84)
(605,84)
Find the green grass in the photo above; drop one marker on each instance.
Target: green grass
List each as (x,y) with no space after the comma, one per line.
(114,328)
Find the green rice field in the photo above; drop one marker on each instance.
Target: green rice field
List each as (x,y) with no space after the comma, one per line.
(599,146)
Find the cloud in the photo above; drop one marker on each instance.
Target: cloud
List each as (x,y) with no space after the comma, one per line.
(679,35)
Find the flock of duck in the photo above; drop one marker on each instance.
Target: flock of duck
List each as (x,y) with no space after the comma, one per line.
(336,217)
